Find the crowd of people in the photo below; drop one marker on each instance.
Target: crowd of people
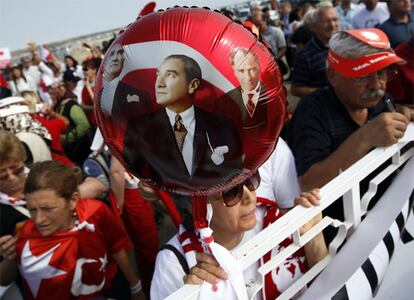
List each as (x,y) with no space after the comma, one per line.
(71,214)
(298,36)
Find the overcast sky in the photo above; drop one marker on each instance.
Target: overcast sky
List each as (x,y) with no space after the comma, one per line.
(45,21)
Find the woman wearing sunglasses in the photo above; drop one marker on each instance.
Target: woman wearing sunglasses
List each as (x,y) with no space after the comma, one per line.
(12,178)
(238,215)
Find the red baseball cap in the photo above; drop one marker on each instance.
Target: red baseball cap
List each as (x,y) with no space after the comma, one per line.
(362,66)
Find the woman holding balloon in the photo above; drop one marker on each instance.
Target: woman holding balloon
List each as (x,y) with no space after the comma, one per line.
(241,84)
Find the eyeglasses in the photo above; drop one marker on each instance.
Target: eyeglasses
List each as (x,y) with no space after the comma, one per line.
(16,171)
(234,195)
(383,75)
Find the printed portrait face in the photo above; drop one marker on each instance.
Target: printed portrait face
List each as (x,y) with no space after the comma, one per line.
(246,69)
(115,62)
(171,85)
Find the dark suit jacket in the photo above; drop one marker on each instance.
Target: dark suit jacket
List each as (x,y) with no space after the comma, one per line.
(151,151)
(124,110)
(255,131)
(232,106)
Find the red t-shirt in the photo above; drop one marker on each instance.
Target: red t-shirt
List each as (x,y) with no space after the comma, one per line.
(401,87)
(56,127)
(76,264)
(87,100)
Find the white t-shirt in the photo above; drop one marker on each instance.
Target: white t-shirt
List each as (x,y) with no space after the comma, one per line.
(22,85)
(34,72)
(168,274)
(278,177)
(369,19)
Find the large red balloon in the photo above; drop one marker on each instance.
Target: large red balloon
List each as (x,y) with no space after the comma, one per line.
(211,72)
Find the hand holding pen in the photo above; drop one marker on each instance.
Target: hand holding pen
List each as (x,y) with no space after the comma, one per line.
(406,111)
(390,106)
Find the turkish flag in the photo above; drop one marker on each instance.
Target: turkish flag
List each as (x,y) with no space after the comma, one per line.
(45,53)
(5,57)
(284,275)
(75,264)
(3,82)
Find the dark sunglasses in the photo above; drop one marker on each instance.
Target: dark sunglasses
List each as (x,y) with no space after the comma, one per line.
(4,174)
(234,195)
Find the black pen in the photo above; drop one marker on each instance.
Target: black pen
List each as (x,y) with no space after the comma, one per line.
(390,105)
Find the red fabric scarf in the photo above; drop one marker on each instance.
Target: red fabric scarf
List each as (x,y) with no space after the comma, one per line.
(284,275)
(294,266)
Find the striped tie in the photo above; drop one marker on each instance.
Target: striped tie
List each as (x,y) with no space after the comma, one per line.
(179,131)
(250,105)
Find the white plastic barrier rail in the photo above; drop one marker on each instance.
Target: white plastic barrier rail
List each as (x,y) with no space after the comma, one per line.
(358,270)
(347,185)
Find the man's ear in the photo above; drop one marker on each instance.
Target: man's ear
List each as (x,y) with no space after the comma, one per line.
(332,76)
(74,200)
(193,86)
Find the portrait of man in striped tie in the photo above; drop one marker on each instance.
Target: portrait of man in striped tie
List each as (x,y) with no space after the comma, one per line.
(246,103)
(181,144)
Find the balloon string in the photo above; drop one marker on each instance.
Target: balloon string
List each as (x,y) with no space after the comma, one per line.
(208,141)
(171,208)
(199,209)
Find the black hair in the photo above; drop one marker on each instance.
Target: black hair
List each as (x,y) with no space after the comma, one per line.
(75,62)
(191,67)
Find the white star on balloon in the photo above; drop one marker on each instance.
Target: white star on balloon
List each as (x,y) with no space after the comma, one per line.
(36,268)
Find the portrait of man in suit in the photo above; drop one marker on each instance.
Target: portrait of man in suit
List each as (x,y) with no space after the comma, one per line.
(247,102)
(180,144)
(118,99)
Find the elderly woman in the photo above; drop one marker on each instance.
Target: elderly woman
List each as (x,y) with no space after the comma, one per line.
(70,248)
(12,178)
(236,219)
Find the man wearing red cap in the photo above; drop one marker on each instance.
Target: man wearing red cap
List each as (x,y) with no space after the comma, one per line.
(336,126)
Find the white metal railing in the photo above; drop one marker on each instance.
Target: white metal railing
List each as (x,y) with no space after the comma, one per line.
(347,185)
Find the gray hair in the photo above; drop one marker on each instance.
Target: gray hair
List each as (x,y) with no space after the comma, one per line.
(309,18)
(254,4)
(312,16)
(347,46)
(323,4)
